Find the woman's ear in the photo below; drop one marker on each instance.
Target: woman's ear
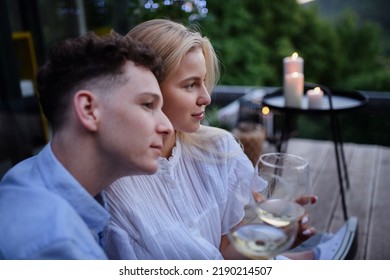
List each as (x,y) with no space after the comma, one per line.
(86,107)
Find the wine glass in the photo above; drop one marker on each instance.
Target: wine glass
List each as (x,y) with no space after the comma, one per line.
(270,228)
(286,175)
(279,212)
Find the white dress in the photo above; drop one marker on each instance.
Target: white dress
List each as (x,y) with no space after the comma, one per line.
(182,211)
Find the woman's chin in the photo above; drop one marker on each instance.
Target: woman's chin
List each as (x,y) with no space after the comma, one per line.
(190,129)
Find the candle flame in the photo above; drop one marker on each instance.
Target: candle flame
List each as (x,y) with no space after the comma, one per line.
(294,55)
(265,110)
(317,89)
(295,74)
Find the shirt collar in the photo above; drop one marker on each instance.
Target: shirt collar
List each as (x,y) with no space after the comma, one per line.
(167,164)
(58,179)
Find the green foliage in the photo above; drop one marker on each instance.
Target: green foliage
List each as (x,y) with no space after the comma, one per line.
(252,37)
(360,46)
(377,80)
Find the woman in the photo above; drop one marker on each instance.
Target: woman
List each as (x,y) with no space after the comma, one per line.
(185,210)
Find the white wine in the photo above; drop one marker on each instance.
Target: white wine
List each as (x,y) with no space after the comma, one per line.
(259,241)
(279,213)
(274,219)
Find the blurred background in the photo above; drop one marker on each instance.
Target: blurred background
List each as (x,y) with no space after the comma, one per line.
(345,45)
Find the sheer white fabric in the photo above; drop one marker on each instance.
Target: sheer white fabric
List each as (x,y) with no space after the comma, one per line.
(182,211)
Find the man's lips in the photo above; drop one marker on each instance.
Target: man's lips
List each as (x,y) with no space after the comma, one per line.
(157,146)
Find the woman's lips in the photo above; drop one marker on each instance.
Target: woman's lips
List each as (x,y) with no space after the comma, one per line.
(198,116)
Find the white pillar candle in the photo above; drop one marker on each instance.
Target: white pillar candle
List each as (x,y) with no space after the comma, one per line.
(292,64)
(315,97)
(293,89)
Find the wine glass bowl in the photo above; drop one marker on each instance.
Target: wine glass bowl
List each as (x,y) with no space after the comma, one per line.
(280,212)
(286,175)
(270,228)
(260,240)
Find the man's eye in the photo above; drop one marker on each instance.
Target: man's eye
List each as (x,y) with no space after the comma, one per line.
(149,105)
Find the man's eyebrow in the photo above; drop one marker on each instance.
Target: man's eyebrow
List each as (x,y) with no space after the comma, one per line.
(152,94)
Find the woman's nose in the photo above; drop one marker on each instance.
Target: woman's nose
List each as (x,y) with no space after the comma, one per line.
(204,96)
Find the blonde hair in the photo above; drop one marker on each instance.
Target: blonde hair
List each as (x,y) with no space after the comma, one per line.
(172,41)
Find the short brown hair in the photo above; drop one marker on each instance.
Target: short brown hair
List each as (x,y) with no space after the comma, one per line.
(77,62)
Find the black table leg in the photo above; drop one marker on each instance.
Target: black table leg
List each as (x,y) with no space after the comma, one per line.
(280,141)
(339,152)
(345,169)
(287,129)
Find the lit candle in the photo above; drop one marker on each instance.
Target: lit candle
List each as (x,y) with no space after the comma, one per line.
(314,97)
(293,63)
(293,89)
(268,121)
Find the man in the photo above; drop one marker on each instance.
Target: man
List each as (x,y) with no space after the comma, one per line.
(102,100)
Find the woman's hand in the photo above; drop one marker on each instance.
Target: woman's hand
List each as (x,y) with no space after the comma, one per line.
(305,231)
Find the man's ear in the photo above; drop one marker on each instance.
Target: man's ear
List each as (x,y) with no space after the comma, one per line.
(86,107)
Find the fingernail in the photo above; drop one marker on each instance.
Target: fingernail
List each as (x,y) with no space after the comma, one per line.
(315,199)
(306,232)
(305,220)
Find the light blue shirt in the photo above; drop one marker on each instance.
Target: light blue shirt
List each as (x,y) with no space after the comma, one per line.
(46,214)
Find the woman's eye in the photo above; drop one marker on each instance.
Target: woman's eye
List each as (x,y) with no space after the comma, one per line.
(190,86)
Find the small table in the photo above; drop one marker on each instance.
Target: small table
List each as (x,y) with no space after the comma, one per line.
(334,102)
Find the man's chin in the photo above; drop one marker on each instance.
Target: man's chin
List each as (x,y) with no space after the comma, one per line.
(152,169)
(146,170)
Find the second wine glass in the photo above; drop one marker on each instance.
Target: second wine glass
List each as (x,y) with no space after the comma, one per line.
(269,228)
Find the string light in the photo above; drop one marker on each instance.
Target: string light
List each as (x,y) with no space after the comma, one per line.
(197,8)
